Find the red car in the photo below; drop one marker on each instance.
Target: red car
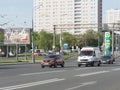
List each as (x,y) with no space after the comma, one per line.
(52,61)
(36,54)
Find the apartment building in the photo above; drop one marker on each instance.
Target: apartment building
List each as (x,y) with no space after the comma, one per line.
(112,16)
(73,16)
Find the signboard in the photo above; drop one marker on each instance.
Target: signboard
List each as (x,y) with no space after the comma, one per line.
(65,46)
(17,36)
(107,43)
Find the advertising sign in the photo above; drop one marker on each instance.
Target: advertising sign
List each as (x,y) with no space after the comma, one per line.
(107,43)
(17,36)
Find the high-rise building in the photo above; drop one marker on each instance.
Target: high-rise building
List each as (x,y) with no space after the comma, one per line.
(73,16)
(112,16)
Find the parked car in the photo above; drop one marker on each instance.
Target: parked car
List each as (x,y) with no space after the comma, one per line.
(52,61)
(107,59)
(36,54)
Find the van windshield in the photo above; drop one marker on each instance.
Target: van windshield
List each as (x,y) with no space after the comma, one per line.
(86,53)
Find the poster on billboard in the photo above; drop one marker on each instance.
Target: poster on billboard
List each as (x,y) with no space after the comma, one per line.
(17,36)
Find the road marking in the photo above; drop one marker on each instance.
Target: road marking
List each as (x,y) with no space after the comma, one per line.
(84,68)
(28,74)
(116,69)
(31,84)
(81,85)
(93,73)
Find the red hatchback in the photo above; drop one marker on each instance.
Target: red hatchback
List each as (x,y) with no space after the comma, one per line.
(52,61)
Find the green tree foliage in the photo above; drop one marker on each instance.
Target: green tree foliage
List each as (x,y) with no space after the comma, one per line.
(92,38)
(43,40)
(1,36)
(69,39)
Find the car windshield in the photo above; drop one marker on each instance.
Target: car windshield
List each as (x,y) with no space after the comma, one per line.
(50,56)
(86,53)
(105,57)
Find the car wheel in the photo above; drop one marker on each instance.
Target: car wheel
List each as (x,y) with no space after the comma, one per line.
(111,62)
(62,65)
(55,65)
(50,66)
(42,66)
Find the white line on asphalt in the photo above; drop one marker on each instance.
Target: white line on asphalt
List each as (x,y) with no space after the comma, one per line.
(93,73)
(81,85)
(116,69)
(28,74)
(31,84)
(84,68)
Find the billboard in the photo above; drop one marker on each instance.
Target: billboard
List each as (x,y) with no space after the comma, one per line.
(17,36)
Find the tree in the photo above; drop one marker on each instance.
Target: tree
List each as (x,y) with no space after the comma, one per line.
(1,35)
(43,40)
(69,39)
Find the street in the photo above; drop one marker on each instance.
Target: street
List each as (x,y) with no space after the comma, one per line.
(71,77)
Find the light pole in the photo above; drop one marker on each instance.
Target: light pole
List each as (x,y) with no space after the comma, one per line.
(113,40)
(54,38)
(61,37)
(32,32)
(33,58)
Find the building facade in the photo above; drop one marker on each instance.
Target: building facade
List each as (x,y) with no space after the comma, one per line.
(112,17)
(73,16)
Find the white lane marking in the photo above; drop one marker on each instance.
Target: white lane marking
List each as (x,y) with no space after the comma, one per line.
(81,85)
(31,84)
(93,73)
(84,68)
(116,69)
(28,74)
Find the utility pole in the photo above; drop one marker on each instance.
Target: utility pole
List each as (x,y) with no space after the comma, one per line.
(113,40)
(54,38)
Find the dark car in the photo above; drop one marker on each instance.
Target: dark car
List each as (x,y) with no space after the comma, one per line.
(52,61)
(107,59)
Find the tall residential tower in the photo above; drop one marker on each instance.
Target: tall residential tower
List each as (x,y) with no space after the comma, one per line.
(73,16)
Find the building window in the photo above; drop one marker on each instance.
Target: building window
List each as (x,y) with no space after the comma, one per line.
(77,0)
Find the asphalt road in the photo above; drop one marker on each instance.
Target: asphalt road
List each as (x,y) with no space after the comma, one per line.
(71,77)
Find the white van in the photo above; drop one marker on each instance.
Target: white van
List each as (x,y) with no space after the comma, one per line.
(89,56)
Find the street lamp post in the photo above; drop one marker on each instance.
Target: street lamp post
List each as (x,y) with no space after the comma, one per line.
(54,38)
(61,45)
(33,58)
(113,40)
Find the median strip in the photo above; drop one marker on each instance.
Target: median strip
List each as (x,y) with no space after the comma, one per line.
(31,84)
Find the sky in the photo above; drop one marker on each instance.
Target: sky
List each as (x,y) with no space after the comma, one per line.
(18,13)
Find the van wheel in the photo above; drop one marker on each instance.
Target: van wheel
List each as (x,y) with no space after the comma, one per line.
(86,65)
(79,65)
(99,64)
(92,64)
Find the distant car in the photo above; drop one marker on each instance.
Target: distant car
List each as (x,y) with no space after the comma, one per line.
(36,54)
(107,59)
(52,61)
